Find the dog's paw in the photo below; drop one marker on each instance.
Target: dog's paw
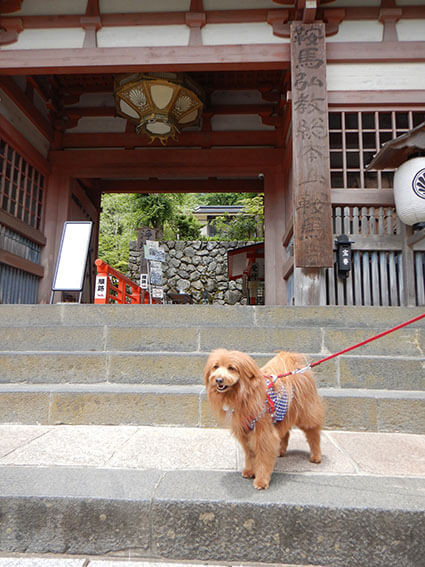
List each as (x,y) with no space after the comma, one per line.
(317,459)
(248,473)
(261,484)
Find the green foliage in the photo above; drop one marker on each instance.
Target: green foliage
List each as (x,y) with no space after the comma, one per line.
(219,198)
(247,225)
(171,214)
(188,227)
(153,210)
(116,230)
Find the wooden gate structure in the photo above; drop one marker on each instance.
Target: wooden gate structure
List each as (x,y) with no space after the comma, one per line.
(297,98)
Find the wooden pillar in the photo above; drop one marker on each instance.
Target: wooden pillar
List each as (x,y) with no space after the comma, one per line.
(313,248)
(56,213)
(274,222)
(408,294)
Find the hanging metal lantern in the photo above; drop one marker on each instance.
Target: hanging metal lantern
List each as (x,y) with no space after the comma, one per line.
(162,104)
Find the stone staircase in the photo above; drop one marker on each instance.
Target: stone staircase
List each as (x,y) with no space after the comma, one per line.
(142,365)
(105,484)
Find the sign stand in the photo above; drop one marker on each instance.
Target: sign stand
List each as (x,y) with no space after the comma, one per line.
(152,281)
(72,258)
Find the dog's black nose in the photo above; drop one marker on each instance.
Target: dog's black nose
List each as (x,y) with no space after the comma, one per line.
(219,381)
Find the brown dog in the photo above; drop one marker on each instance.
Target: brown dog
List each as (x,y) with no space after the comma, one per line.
(262,408)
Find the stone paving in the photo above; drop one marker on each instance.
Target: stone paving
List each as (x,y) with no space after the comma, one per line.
(40,561)
(186,448)
(355,455)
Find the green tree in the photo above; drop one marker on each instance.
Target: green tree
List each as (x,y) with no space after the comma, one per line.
(167,212)
(219,198)
(122,214)
(187,227)
(153,210)
(247,225)
(116,230)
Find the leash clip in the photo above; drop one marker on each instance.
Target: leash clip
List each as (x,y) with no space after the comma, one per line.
(301,370)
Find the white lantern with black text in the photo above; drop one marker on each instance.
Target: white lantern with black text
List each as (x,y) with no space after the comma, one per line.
(409,191)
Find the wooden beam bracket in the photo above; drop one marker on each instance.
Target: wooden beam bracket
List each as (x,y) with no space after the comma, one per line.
(195,21)
(91,24)
(333,18)
(309,11)
(278,19)
(8,6)
(389,17)
(10,28)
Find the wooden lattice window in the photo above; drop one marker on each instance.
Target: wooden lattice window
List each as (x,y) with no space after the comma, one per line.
(21,187)
(356,136)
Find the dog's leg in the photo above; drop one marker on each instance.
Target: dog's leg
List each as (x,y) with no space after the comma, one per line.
(249,470)
(267,443)
(284,444)
(313,439)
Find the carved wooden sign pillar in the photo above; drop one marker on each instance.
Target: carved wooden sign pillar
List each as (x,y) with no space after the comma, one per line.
(312,200)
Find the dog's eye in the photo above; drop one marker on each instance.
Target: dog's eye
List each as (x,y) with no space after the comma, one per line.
(231,367)
(215,366)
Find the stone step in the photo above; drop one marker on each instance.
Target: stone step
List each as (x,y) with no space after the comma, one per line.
(186,405)
(406,342)
(73,314)
(177,494)
(374,371)
(347,371)
(214,516)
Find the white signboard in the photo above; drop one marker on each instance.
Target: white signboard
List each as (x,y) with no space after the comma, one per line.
(72,257)
(144,281)
(100,288)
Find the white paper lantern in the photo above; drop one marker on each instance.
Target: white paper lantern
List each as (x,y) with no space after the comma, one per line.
(409,191)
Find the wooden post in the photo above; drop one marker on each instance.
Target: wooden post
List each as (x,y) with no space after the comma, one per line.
(55,214)
(274,223)
(408,295)
(313,247)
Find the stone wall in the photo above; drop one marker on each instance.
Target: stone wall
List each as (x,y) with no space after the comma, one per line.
(196,267)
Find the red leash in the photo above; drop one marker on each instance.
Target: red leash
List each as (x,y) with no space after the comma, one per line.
(313,364)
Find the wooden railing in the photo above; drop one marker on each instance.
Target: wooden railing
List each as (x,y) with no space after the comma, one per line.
(114,287)
(388,265)
(380,273)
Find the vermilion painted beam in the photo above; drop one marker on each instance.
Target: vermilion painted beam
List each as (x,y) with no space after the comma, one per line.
(366,197)
(212,185)
(21,263)
(379,52)
(202,139)
(217,109)
(375,98)
(167,162)
(137,59)
(212,17)
(23,146)
(12,90)
(224,57)
(22,228)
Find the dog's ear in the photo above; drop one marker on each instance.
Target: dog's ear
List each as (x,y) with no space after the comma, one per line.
(207,370)
(249,367)
(212,359)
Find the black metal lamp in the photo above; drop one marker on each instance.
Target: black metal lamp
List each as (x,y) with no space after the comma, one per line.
(343,255)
